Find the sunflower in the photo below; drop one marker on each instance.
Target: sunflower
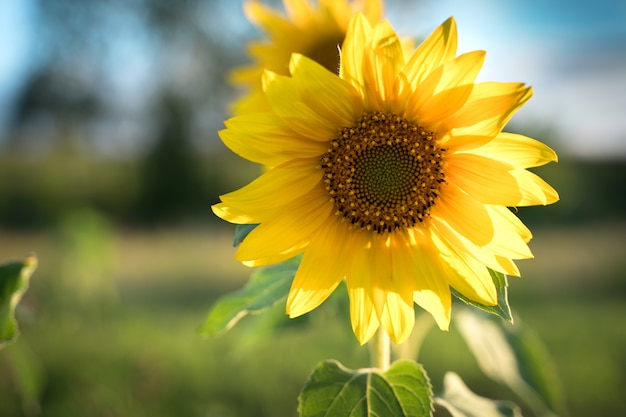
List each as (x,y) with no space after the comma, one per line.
(314,30)
(394,176)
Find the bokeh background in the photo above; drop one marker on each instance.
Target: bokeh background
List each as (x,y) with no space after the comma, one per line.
(109,162)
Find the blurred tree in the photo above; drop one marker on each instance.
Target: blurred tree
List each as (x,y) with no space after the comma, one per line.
(129,80)
(53,106)
(100,64)
(171,186)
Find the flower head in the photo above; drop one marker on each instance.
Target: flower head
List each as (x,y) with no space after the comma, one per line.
(394,176)
(313,30)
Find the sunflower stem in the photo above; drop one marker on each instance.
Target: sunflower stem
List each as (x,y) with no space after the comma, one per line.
(381,349)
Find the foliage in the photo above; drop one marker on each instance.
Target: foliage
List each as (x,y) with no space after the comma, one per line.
(14,281)
(403,390)
(37,191)
(461,402)
(267,287)
(514,357)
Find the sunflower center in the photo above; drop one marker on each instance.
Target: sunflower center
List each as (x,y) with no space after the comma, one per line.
(384,173)
(326,52)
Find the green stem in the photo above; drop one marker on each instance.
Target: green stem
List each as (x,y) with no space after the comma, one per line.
(381,349)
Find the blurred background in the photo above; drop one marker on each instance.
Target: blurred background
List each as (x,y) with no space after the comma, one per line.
(110,161)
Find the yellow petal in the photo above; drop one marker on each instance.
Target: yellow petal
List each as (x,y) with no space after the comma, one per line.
(517,150)
(461,71)
(263,138)
(276,258)
(362,315)
(510,239)
(432,292)
(288,229)
(505,219)
(378,269)
(493,182)
(507,266)
(298,10)
(322,268)
(382,60)
(446,89)
(265,16)
(370,268)
(486,180)
(481,254)
(363,283)
(404,275)
(468,276)
(372,9)
(277,187)
(534,190)
(328,95)
(457,143)
(422,93)
(439,308)
(464,214)
(282,93)
(233,214)
(398,316)
(352,51)
(438,48)
(488,108)
(440,106)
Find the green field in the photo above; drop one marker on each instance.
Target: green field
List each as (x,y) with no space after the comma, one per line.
(108,327)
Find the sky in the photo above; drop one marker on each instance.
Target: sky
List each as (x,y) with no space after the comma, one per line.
(572,52)
(14,44)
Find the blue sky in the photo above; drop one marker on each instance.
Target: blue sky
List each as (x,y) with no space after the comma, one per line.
(15,43)
(572,52)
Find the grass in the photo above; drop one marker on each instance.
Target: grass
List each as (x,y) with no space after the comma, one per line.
(109,327)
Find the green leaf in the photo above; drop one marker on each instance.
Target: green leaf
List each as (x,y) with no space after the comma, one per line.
(241,231)
(14,280)
(509,355)
(502,309)
(461,402)
(335,391)
(267,286)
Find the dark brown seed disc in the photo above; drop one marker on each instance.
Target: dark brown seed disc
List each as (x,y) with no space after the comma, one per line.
(384,173)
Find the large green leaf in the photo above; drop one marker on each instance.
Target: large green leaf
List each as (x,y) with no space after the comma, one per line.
(513,356)
(267,286)
(14,280)
(502,309)
(335,391)
(461,402)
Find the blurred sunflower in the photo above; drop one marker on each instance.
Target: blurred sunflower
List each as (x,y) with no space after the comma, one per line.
(393,176)
(313,30)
